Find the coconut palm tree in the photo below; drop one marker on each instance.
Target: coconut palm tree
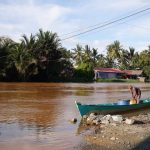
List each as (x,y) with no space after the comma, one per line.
(114,52)
(49,53)
(88,63)
(102,61)
(144,62)
(5,44)
(22,61)
(29,43)
(48,46)
(78,55)
(124,61)
(95,56)
(131,54)
(87,54)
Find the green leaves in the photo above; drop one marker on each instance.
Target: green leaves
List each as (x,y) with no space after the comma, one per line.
(38,57)
(21,59)
(41,57)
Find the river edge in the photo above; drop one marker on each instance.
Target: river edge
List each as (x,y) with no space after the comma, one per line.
(119,136)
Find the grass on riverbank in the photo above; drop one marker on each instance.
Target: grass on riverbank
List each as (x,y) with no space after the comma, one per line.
(118,80)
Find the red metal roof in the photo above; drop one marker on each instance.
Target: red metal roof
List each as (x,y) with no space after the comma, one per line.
(133,72)
(114,70)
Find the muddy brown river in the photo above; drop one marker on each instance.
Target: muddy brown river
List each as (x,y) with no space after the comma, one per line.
(34,116)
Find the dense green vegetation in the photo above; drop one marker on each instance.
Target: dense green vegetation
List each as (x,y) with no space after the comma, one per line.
(41,57)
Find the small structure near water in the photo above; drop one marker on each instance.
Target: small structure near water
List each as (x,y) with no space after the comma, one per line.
(108,73)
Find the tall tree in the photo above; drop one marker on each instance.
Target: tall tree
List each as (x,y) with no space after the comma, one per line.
(124,61)
(144,58)
(102,61)
(48,46)
(78,55)
(114,53)
(5,45)
(49,53)
(22,61)
(131,55)
(29,43)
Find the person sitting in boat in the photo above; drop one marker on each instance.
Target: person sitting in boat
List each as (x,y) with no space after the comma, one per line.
(136,94)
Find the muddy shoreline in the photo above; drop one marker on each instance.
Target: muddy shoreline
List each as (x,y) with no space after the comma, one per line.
(119,136)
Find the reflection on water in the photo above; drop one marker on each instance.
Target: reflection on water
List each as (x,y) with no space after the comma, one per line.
(35,115)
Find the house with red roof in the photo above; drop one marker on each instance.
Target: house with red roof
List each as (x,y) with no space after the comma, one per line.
(107,73)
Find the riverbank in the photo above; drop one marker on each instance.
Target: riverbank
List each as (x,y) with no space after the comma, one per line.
(122,136)
(119,80)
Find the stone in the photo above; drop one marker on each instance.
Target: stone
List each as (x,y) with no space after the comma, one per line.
(117,118)
(106,122)
(129,121)
(96,121)
(113,138)
(84,117)
(92,116)
(74,120)
(128,142)
(100,116)
(88,121)
(107,117)
(114,124)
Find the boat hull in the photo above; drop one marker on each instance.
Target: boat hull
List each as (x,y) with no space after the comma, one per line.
(112,108)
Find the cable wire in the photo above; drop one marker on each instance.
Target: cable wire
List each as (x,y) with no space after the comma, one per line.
(106,24)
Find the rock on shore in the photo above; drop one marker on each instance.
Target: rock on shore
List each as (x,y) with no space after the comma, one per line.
(94,119)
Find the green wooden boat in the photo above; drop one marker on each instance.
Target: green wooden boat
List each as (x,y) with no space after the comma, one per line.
(112,108)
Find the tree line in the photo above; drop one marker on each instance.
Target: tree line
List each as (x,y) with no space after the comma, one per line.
(41,57)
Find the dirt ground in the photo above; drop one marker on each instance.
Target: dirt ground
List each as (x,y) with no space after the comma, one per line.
(120,136)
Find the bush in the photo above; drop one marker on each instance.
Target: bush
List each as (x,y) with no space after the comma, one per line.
(83,76)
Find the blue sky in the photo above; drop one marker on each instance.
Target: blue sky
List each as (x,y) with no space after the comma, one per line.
(64,16)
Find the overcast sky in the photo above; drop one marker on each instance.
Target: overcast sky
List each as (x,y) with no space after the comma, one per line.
(18,17)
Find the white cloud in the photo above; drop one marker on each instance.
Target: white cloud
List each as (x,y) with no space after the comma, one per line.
(29,18)
(26,17)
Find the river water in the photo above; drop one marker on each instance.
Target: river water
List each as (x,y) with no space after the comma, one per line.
(35,116)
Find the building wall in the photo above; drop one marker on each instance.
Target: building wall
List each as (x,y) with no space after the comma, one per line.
(106,75)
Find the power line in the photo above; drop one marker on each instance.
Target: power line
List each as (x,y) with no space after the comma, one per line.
(106,24)
(100,23)
(120,23)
